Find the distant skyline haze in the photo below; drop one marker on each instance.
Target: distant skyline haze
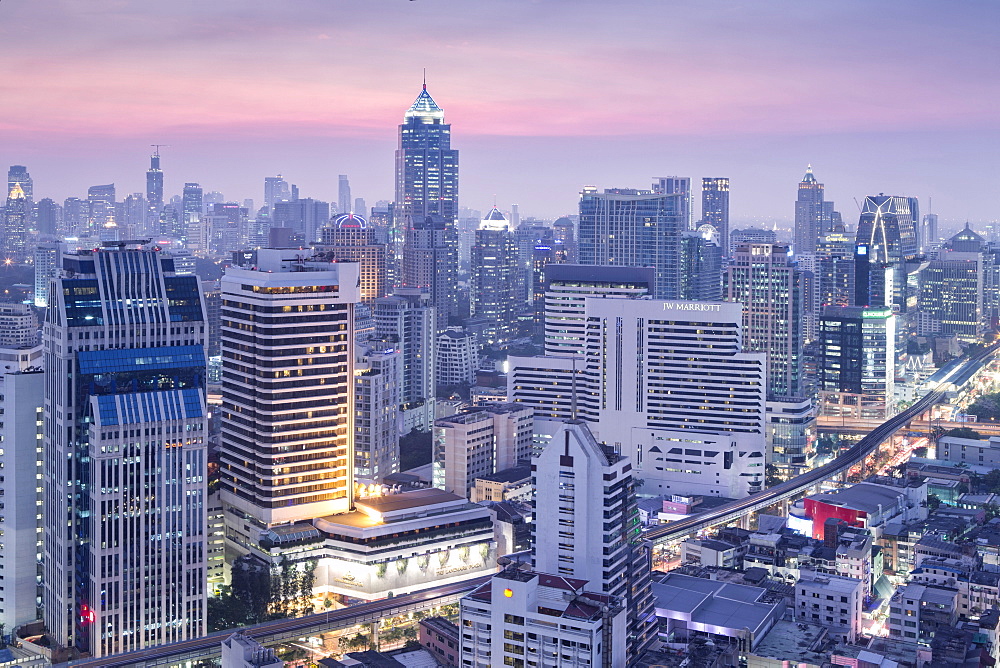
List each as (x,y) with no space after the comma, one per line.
(544,97)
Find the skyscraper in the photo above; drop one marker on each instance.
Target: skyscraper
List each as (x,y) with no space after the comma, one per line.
(701,267)
(349,238)
(192,208)
(406,321)
(814,216)
(494,273)
(763,278)
(154,190)
(376,411)
(715,208)
(427,203)
(287,392)
(101,208)
(275,190)
(589,529)
(306,216)
(635,228)
(857,368)
(952,288)
(15,229)
(928,232)
(344,204)
(658,379)
(125,453)
(886,243)
(22,400)
(48,217)
(18,174)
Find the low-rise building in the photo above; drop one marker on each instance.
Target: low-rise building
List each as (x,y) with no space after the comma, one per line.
(513,484)
(830,600)
(970,451)
(917,612)
(399,543)
(240,651)
(689,606)
(439,637)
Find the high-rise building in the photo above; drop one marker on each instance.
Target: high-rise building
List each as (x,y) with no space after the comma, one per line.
(479,442)
(101,208)
(15,229)
(590,528)
(125,454)
(814,216)
(715,208)
(344,196)
(952,288)
(227,226)
(48,217)
(763,278)
(634,228)
(928,232)
(287,387)
(681,186)
(885,245)
(192,208)
(22,400)
(376,413)
(752,235)
(349,238)
(857,368)
(406,321)
(306,216)
(566,292)
(48,258)
(75,212)
(360,206)
(427,204)
(527,236)
(133,219)
(457,357)
(701,267)
(18,174)
(275,190)
(494,273)
(154,190)
(543,619)
(658,380)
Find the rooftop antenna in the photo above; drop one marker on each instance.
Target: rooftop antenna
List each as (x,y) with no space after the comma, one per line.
(425,78)
(157,147)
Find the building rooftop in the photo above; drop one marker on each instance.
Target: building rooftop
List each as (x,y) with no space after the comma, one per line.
(515,474)
(795,642)
(865,497)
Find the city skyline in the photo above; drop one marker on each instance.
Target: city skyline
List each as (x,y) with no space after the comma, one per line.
(774,88)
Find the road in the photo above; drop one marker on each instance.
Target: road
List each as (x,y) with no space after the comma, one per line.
(772,495)
(209,646)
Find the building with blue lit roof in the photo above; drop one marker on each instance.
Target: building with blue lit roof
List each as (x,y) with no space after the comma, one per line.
(125,453)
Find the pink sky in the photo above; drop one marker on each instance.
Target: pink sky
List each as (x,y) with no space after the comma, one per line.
(543,96)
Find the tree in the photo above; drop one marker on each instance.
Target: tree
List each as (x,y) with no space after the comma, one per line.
(933,501)
(964,432)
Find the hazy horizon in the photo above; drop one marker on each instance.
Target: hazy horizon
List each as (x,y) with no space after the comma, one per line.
(544,97)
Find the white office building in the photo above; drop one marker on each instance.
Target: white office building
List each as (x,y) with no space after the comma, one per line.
(406,321)
(376,414)
(480,442)
(457,357)
(22,403)
(590,529)
(667,383)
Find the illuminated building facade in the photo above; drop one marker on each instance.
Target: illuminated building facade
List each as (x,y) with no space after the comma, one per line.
(287,392)
(349,238)
(857,369)
(494,275)
(634,228)
(125,454)
(427,204)
(715,208)
(814,216)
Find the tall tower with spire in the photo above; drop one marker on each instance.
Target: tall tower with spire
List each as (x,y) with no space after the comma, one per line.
(427,203)
(814,216)
(154,190)
(15,224)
